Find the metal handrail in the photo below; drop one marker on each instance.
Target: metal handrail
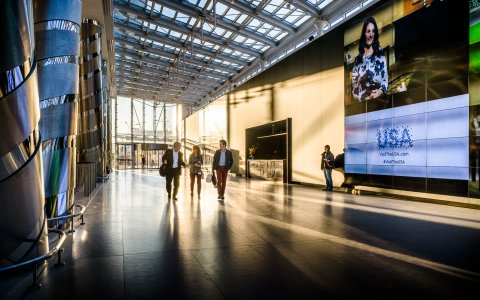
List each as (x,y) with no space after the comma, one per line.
(56,249)
(70,216)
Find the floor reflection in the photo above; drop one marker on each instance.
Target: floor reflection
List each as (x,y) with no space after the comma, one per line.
(266,239)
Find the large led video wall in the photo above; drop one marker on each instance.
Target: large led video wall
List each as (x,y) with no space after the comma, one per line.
(407,101)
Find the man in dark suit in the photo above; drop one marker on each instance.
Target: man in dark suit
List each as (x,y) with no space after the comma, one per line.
(222,163)
(173,158)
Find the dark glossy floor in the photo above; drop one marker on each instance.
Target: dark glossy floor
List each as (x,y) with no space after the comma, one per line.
(266,241)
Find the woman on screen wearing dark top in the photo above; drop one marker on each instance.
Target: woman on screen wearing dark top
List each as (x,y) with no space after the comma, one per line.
(369,75)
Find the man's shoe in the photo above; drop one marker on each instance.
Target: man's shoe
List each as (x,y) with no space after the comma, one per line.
(325,189)
(169,197)
(175,198)
(223,197)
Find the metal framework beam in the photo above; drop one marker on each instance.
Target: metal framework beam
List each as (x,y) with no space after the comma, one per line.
(144,69)
(149,85)
(335,7)
(164,40)
(188,9)
(148,95)
(136,56)
(153,50)
(245,8)
(168,24)
(154,81)
(306,7)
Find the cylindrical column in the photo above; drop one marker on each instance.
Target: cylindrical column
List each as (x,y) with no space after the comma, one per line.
(57,38)
(91,94)
(23,230)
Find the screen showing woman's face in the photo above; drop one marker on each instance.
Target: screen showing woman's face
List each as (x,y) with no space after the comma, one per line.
(369,34)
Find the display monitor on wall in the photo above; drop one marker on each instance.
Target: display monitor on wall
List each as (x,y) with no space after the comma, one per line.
(406,97)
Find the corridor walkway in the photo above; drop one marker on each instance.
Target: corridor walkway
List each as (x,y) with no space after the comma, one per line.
(266,241)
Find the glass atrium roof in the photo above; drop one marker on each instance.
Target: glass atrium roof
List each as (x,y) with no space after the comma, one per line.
(194,51)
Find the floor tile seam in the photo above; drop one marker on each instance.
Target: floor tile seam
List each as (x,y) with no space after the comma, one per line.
(311,276)
(219,247)
(83,259)
(386,211)
(439,267)
(167,251)
(205,271)
(93,196)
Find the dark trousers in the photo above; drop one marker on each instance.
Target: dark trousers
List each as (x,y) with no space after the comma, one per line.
(174,175)
(194,176)
(328,178)
(222,173)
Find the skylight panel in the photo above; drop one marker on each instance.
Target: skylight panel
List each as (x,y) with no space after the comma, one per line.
(119,16)
(270,7)
(250,42)
(219,31)
(254,23)
(220,8)
(239,39)
(282,12)
(175,34)
(207,44)
(192,21)
(183,17)
(202,3)
(169,47)
(301,21)
(262,30)
(232,14)
(291,18)
(267,26)
(241,19)
(138,3)
(168,12)
(183,37)
(273,34)
(161,29)
(282,35)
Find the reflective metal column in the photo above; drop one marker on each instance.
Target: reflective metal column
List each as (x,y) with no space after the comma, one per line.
(91,95)
(23,232)
(57,37)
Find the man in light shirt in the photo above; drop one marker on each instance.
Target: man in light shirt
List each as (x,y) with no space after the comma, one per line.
(222,163)
(173,158)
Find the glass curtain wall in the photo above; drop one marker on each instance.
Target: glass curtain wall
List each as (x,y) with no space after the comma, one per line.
(140,126)
(212,128)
